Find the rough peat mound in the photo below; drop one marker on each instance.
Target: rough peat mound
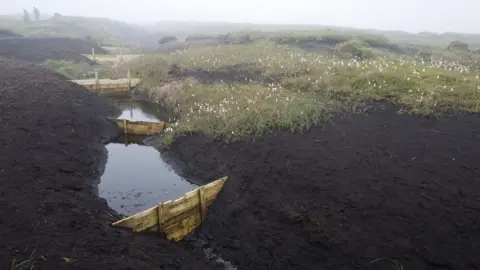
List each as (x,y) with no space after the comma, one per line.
(345,195)
(7,33)
(39,49)
(51,152)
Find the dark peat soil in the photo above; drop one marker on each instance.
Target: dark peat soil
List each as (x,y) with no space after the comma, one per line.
(51,152)
(345,195)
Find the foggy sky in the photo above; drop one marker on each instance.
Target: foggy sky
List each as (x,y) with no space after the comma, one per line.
(408,15)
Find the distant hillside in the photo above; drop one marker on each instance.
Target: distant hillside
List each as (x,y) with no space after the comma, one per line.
(112,32)
(185,28)
(39,49)
(429,38)
(103,30)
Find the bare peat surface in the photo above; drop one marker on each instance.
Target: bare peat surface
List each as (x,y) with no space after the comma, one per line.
(39,49)
(51,152)
(7,33)
(346,195)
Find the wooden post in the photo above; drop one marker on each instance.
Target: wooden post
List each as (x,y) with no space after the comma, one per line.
(203,203)
(97,83)
(160,217)
(121,54)
(93,54)
(129,81)
(131,107)
(125,126)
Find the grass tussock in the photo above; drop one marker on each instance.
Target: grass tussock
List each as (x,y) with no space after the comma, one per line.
(235,110)
(309,87)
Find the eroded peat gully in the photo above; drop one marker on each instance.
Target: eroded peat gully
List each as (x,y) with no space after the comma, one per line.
(51,151)
(340,196)
(136,177)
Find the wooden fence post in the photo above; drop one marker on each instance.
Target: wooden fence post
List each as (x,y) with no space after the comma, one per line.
(202,203)
(160,213)
(129,85)
(125,126)
(121,54)
(97,83)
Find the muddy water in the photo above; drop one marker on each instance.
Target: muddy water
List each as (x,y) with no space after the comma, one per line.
(136,177)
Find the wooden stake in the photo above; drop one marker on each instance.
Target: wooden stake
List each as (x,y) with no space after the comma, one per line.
(131,107)
(125,126)
(203,203)
(160,217)
(129,85)
(93,54)
(97,83)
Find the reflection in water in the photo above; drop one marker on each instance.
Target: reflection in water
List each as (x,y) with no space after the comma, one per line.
(131,139)
(136,114)
(138,110)
(136,178)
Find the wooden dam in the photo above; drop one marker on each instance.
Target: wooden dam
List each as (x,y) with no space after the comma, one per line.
(142,128)
(108,86)
(175,219)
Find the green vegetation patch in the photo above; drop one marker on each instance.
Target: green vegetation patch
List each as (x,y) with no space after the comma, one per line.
(73,70)
(309,88)
(232,111)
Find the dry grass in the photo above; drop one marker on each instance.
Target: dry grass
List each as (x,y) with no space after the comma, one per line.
(24,265)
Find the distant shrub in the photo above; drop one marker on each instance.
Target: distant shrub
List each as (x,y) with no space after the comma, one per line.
(458,46)
(167,39)
(355,48)
(376,40)
(200,37)
(236,39)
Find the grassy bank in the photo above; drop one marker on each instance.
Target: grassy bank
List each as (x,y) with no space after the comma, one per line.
(308,87)
(73,70)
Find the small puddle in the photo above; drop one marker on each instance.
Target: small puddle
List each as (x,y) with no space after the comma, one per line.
(136,177)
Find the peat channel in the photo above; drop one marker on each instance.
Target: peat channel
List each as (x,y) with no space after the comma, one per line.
(139,184)
(136,177)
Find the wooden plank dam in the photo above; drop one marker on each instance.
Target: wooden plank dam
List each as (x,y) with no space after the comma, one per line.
(108,85)
(140,127)
(176,218)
